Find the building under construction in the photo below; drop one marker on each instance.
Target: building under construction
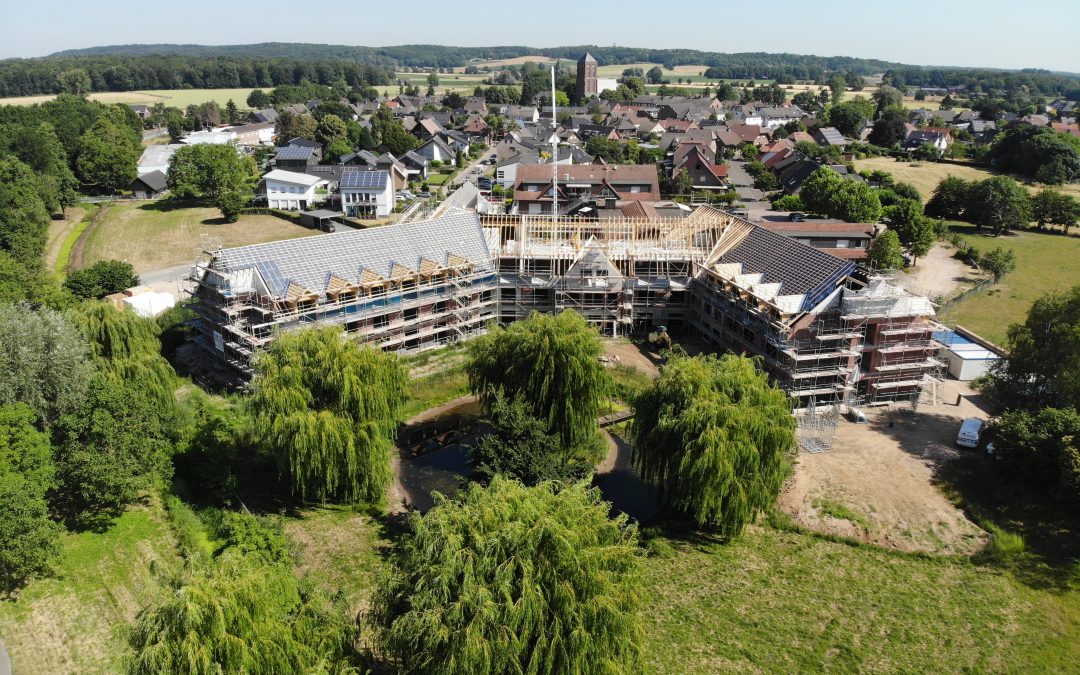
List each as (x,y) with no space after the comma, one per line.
(826,336)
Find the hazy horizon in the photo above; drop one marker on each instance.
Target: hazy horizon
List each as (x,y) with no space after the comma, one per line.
(936,37)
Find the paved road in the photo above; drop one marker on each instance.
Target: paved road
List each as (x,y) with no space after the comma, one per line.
(468,172)
(168,274)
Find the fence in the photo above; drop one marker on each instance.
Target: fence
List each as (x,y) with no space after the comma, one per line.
(978,287)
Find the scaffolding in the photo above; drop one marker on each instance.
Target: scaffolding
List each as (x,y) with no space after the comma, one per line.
(815,429)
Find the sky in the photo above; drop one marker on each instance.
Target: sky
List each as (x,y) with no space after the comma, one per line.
(987,33)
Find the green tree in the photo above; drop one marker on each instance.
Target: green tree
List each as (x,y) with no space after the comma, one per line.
(998,262)
(889,129)
(514,579)
(552,363)
(888,98)
(206,171)
(654,75)
(104,277)
(258,99)
(329,410)
(44,363)
(331,129)
(1052,207)
(999,203)
(107,157)
(829,193)
(1032,446)
(28,539)
(886,252)
(850,117)
(232,113)
(74,81)
(232,203)
(837,86)
(38,146)
(915,230)
(715,434)
(519,446)
(24,220)
(241,614)
(1043,366)
(290,125)
(391,134)
(610,150)
(950,199)
(112,448)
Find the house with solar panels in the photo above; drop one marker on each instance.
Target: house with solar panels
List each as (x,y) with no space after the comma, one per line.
(366,194)
(825,333)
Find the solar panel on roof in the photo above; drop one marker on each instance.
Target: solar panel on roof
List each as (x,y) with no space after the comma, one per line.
(271,275)
(294,152)
(364,179)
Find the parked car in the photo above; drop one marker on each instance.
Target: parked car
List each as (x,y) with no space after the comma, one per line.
(740,212)
(424,195)
(797,217)
(970,431)
(407,194)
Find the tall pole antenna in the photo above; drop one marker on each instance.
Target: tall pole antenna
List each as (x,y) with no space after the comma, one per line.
(554,157)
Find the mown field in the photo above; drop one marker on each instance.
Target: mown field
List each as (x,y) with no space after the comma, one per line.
(1045,262)
(926,175)
(152,236)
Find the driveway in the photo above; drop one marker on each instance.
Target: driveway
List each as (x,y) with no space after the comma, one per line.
(5,662)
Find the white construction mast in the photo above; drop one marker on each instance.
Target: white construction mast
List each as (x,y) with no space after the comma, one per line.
(554,140)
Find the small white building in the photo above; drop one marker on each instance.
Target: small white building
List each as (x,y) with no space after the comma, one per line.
(366,194)
(290,190)
(967,359)
(157,158)
(435,150)
(213,137)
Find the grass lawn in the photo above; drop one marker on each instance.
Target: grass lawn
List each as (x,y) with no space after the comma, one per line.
(926,175)
(151,238)
(63,234)
(438,178)
(180,98)
(74,622)
(338,549)
(435,389)
(1045,262)
(776,601)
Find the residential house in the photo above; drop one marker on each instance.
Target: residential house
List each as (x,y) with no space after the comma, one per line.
(456,140)
(364,158)
(922,137)
(704,173)
(582,184)
(850,241)
(426,128)
(506,170)
(366,194)
(829,136)
(297,157)
(149,185)
(416,166)
(587,131)
(522,115)
(289,190)
(254,134)
(141,109)
(435,150)
(267,115)
(792,176)
(477,129)
(395,169)
(476,105)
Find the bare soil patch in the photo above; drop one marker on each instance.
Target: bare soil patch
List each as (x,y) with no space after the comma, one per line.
(633,355)
(877,482)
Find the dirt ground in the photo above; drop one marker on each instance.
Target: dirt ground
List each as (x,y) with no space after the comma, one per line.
(59,231)
(876,482)
(632,355)
(939,273)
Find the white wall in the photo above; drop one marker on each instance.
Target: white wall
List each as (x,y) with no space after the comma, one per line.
(281,195)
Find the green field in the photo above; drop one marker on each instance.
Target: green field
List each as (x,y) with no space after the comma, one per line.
(75,621)
(1045,262)
(152,236)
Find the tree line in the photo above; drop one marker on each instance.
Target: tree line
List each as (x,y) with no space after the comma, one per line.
(82,75)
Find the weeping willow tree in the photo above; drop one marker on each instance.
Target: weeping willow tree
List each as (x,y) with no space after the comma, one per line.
(125,347)
(714,433)
(551,362)
(329,408)
(514,579)
(241,614)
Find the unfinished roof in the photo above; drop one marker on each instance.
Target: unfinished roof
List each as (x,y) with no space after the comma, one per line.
(362,255)
(782,266)
(882,299)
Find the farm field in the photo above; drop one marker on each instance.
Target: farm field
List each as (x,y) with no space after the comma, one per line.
(1045,262)
(180,98)
(151,238)
(926,175)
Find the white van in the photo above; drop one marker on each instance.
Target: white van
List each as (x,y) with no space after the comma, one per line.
(970,430)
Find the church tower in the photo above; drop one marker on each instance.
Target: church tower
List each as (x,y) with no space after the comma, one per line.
(586,77)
